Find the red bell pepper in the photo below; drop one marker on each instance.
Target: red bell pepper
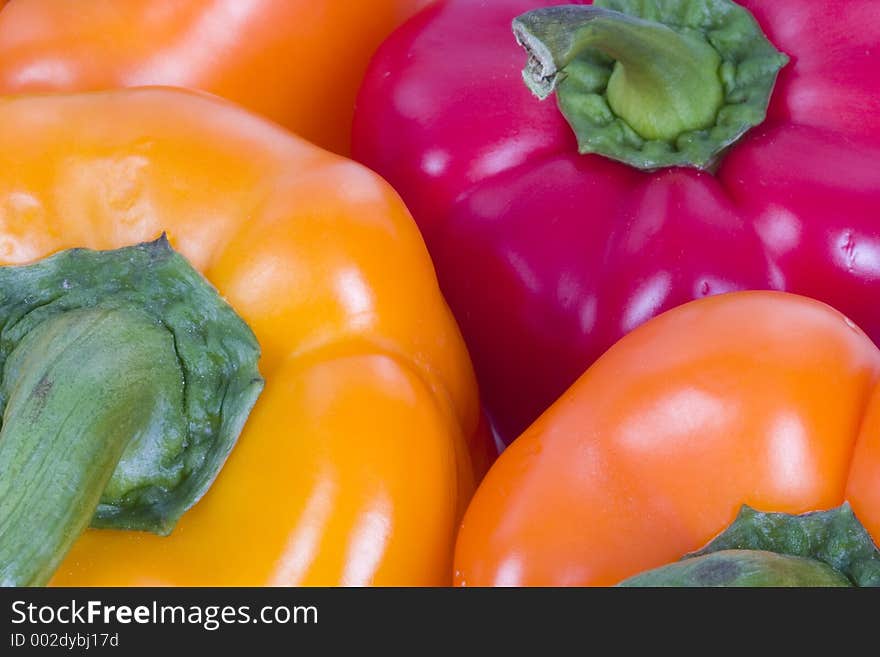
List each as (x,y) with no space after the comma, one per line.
(547,254)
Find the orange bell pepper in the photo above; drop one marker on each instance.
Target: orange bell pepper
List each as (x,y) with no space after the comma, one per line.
(354,465)
(762,399)
(269,55)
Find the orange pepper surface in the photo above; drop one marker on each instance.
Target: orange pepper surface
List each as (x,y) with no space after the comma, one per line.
(354,465)
(298,62)
(757,398)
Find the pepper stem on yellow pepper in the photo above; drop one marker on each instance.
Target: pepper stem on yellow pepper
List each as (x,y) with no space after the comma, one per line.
(126,380)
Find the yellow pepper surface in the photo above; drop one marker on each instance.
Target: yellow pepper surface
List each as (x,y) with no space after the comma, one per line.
(364,448)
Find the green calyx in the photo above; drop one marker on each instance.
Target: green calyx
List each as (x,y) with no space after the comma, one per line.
(652,83)
(824,548)
(126,381)
(741,568)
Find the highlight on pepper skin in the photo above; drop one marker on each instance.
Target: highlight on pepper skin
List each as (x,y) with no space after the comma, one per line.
(355,464)
(762,399)
(550,240)
(297,62)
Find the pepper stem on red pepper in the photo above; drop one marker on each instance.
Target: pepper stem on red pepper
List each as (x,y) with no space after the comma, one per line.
(823,548)
(652,85)
(125,382)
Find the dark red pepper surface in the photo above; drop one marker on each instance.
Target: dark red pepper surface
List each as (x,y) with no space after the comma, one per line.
(548,257)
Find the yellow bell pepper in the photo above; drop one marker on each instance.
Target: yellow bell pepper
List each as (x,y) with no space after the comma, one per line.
(362,451)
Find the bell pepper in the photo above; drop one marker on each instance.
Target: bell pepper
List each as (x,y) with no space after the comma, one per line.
(739,433)
(297,62)
(558,227)
(353,467)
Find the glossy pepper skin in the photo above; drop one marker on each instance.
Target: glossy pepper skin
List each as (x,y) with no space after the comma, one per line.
(548,257)
(297,62)
(758,398)
(353,467)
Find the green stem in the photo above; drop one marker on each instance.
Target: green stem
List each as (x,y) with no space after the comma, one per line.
(126,381)
(742,568)
(652,84)
(822,548)
(664,83)
(81,387)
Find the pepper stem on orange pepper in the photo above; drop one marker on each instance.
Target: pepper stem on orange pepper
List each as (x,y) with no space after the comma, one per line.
(126,380)
(822,548)
(650,85)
